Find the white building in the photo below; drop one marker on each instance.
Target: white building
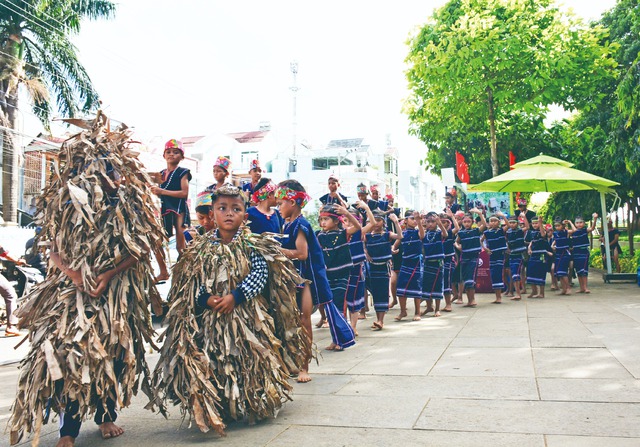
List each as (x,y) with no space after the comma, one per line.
(421,190)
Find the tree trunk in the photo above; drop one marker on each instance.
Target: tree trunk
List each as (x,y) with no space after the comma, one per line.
(8,118)
(492,130)
(630,221)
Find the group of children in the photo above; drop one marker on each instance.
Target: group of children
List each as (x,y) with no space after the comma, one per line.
(249,278)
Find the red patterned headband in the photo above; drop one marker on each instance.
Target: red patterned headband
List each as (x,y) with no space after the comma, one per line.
(300,197)
(262,194)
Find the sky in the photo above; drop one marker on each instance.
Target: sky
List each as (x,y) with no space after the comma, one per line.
(173,69)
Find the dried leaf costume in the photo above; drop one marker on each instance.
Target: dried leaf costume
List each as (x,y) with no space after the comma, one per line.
(76,339)
(230,366)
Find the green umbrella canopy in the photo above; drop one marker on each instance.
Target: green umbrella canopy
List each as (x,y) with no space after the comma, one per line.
(544,173)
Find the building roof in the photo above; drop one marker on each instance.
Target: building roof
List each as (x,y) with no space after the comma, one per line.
(45,143)
(255,136)
(190,141)
(348,143)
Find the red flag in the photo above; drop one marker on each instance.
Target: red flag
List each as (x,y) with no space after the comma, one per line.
(512,159)
(462,169)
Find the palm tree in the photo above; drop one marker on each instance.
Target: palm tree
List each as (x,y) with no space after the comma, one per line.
(36,53)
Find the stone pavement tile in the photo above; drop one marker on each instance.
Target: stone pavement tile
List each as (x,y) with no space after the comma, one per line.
(583,363)
(547,308)
(610,316)
(492,341)
(9,354)
(408,360)
(590,390)
(482,362)
(562,332)
(495,329)
(321,384)
(352,411)
(159,432)
(551,418)
(370,437)
(590,441)
(626,352)
(453,387)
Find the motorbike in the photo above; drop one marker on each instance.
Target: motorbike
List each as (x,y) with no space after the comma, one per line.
(22,277)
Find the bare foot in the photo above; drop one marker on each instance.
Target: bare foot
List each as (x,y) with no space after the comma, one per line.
(509,294)
(331,347)
(496,302)
(458,301)
(474,304)
(587,291)
(568,292)
(66,441)
(303,377)
(320,323)
(417,317)
(531,295)
(110,430)
(437,314)
(403,314)
(393,303)
(516,298)
(426,311)
(161,278)
(377,326)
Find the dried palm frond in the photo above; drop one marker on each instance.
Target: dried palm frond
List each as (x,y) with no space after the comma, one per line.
(74,337)
(229,366)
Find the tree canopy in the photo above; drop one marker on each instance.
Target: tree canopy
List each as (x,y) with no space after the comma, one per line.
(483,71)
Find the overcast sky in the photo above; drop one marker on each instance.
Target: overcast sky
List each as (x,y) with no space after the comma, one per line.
(195,67)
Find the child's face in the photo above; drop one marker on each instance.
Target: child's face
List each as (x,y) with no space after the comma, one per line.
(206,220)
(379,224)
(173,155)
(579,224)
(375,195)
(256,175)
(362,196)
(536,225)
(327,223)
(467,222)
(513,224)
(286,207)
(229,213)
(431,224)
(333,185)
(271,199)
(494,224)
(219,174)
(410,222)
(558,226)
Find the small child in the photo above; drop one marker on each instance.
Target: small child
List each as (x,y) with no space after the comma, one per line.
(450,257)
(221,171)
(263,217)
(410,277)
(173,192)
(432,274)
(301,245)
(562,257)
(539,249)
(517,247)
(378,244)
(469,242)
(334,241)
(333,196)
(204,213)
(255,171)
(497,248)
(580,242)
(355,287)
(233,334)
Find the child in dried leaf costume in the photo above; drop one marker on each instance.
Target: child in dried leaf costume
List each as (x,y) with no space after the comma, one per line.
(88,320)
(233,333)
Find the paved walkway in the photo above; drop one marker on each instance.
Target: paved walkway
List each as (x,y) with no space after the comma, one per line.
(563,371)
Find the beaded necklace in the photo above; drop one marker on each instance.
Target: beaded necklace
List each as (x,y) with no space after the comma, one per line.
(168,181)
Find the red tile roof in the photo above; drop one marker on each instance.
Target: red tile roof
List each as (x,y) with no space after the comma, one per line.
(249,137)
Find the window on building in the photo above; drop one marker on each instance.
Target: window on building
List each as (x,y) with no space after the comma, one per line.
(322,163)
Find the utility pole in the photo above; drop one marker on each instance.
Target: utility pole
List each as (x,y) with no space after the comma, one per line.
(294,88)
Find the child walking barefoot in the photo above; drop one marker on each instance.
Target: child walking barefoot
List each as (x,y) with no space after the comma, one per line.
(450,257)
(517,247)
(410,278)
(301,245)
(497,248)
(539,249)
(580,243)
(432,274)
(378,244)
(561,247)
(173,192)
(469,241)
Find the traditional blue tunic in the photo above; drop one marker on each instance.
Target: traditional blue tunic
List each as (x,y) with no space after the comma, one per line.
(580,243)
(173,206)
(497,243)
(563,254)
(262,223)
(410,277)
(314,270)
(337,258)
(537,267)
(355,287)
(449,260)
(517,249)
(379,249)
(470,242)
(432,276)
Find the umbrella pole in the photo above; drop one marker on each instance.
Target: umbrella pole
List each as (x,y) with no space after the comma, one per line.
(605,232)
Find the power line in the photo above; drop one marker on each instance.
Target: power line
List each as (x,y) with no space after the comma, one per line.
(42,23)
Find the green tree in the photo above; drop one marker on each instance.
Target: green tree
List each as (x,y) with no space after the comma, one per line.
(483,70)
(36,53)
